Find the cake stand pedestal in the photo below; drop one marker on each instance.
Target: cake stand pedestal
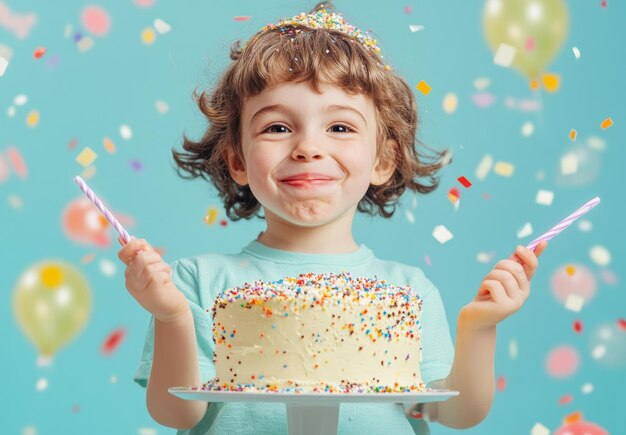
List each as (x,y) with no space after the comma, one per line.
(312,413)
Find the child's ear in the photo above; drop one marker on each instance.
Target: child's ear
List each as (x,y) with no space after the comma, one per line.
(385,165)
(236,168)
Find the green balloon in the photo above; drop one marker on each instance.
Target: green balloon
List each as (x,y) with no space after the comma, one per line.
(52,303)
(536,28)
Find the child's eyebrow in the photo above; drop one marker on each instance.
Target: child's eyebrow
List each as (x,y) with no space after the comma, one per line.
(281,108)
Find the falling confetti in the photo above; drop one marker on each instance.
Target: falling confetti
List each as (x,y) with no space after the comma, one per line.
(423,87)
(571,270)
(32,119)
(148,36)
(525,231)
(126,132)
(501,383)
(108,145)
(442,234)
(17,162)
(572,134)
(606,123)
(551,82)
(564,400)
(454,195)
(464,181)
(112,342)
(574,303)
(161,26)
(483,99)
(600,255)
(544,197)
(415,28)
(484,167)
(528,129)
(450,103)
(162,107)
(539,429)
(39,52)
(241,18)
(504,169)
(576,52)
(578,326)
(86,157)
(504,55)
(211,215)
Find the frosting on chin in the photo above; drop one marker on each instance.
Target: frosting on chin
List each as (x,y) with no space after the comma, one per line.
(322,332)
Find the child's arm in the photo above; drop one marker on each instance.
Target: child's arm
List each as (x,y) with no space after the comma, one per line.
(175,355)
(175,363)
(503,291)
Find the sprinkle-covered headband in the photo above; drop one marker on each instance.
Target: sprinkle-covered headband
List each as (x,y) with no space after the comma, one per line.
(322,19)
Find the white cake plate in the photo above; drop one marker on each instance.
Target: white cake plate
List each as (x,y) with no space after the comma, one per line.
(312,413)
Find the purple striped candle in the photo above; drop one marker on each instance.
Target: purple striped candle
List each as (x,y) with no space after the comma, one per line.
(107,214)
(564,223)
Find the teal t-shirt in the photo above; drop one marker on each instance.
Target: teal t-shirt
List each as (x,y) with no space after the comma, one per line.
(201,278)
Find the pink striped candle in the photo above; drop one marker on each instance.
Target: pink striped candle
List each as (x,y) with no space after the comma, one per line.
(564,223)
(107,214)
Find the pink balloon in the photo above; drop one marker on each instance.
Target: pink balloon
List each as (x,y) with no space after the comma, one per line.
(581,283)
(83,223)
(581,428)
(96,20)
(144,3)
(562,362)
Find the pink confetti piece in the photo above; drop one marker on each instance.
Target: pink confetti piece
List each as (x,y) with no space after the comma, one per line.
(16,160)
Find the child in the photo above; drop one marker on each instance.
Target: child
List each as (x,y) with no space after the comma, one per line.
(307,126)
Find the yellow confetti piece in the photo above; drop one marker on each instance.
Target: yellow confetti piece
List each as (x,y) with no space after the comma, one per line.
(606,123)
(211,215)
(32,119)
(86,157)
(51,276)
(551,82)
(450,103)
(572,134)
(148,36)
(109,145)
(570,270)
(504,169)
(423,87)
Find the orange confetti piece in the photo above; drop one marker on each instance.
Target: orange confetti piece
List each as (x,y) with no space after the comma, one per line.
(574,417)
(572,134)
(423,87)
(39,52)
(88,258)
(501,383)
(109,145)
(571,270)
(534,84)
(606,123)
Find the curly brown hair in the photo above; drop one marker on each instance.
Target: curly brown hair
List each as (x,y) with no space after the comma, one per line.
(312,55)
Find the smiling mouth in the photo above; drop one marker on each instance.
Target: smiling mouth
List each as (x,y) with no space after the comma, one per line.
(308,182)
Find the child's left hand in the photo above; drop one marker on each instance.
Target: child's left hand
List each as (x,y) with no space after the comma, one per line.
(503,290)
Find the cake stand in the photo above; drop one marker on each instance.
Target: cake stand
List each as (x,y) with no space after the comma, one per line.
(312,413)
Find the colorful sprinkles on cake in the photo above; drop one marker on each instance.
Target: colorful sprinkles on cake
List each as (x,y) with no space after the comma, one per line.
(385,312)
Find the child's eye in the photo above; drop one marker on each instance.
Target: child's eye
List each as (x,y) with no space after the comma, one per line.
(345,128)
(276,128)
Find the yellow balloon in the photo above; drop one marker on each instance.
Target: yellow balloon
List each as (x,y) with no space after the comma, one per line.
(52,303)
(535,28)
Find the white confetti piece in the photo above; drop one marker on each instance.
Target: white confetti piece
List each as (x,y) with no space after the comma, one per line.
(504,55)
(599,351)
(587,388)
(504,169)
(11,111)
(4,63)
(484,167)
(528,129)
(113,379)
(525,231)
(513,349)
(42,384)
(569,164)
(596,143)
(585,226)
(146,431)
(107,267)
(482,83)
(126,132)
(162,107)
(161,26)
(415,28)
(409,216)
(44,361)
(539,429)
(544,197)
(484,257)
(450,103)
(85,44)
(600,255)
(576,52)
(20,100)
(574,303)
(442,234)
(540,175)
(29,430)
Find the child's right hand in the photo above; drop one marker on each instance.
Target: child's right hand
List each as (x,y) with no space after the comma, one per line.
(149,280)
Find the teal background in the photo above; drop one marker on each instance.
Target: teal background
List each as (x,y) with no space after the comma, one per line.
(88,96)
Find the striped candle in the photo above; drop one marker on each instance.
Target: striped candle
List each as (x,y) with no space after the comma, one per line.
(107,214)
(564,223)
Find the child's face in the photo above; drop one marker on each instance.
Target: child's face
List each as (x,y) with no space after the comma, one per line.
(307,161)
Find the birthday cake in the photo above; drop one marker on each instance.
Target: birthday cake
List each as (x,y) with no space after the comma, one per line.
(317,333)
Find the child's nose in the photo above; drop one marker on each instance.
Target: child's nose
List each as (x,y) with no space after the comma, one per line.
(307,148)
